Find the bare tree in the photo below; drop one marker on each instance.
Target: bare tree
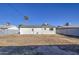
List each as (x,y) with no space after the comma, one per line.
(67,24)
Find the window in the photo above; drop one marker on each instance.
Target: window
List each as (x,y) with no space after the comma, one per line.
(51,29)
(44,28)
(32,29)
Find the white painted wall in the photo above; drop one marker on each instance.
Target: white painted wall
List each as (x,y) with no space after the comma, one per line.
(37,31)
(68,31)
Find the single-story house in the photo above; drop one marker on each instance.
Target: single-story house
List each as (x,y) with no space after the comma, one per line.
(37,29)
(8,29)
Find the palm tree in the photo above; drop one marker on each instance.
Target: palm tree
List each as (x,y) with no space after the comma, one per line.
(26,18)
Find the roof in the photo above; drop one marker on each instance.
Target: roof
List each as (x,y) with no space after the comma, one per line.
(36,26)
(68,27)
(6,26)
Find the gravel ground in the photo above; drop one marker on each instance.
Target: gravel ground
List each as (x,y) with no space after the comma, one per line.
(26,40)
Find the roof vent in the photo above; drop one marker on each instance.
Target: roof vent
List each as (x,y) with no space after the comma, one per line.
(8,24)
(44,24)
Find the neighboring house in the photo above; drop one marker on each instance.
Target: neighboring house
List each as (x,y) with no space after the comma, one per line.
(68,30)
(8,29)
(37,29)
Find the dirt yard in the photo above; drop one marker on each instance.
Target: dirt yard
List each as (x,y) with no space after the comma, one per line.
(25,40)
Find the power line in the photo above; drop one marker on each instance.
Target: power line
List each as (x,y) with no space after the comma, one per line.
(25,17)
(15,9)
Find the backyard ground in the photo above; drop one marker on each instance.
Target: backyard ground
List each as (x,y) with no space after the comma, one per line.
(26,40)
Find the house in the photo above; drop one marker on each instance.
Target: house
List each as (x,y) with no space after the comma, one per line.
(37,29)
(8,29)
(68,30)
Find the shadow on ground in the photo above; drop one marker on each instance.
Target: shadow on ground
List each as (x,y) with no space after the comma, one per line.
(40,50)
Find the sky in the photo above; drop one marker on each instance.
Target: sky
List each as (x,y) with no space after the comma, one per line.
(52,13)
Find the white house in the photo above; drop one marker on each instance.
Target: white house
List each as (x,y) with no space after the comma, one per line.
(38,29)
(68,30)
(8,29)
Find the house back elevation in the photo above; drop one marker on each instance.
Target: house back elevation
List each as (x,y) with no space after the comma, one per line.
(37,29)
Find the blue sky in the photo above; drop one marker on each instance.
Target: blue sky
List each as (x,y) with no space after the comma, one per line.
(54,14)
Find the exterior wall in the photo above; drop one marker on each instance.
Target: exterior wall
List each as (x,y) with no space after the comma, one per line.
(68,31)
(37,31)
(48,31)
